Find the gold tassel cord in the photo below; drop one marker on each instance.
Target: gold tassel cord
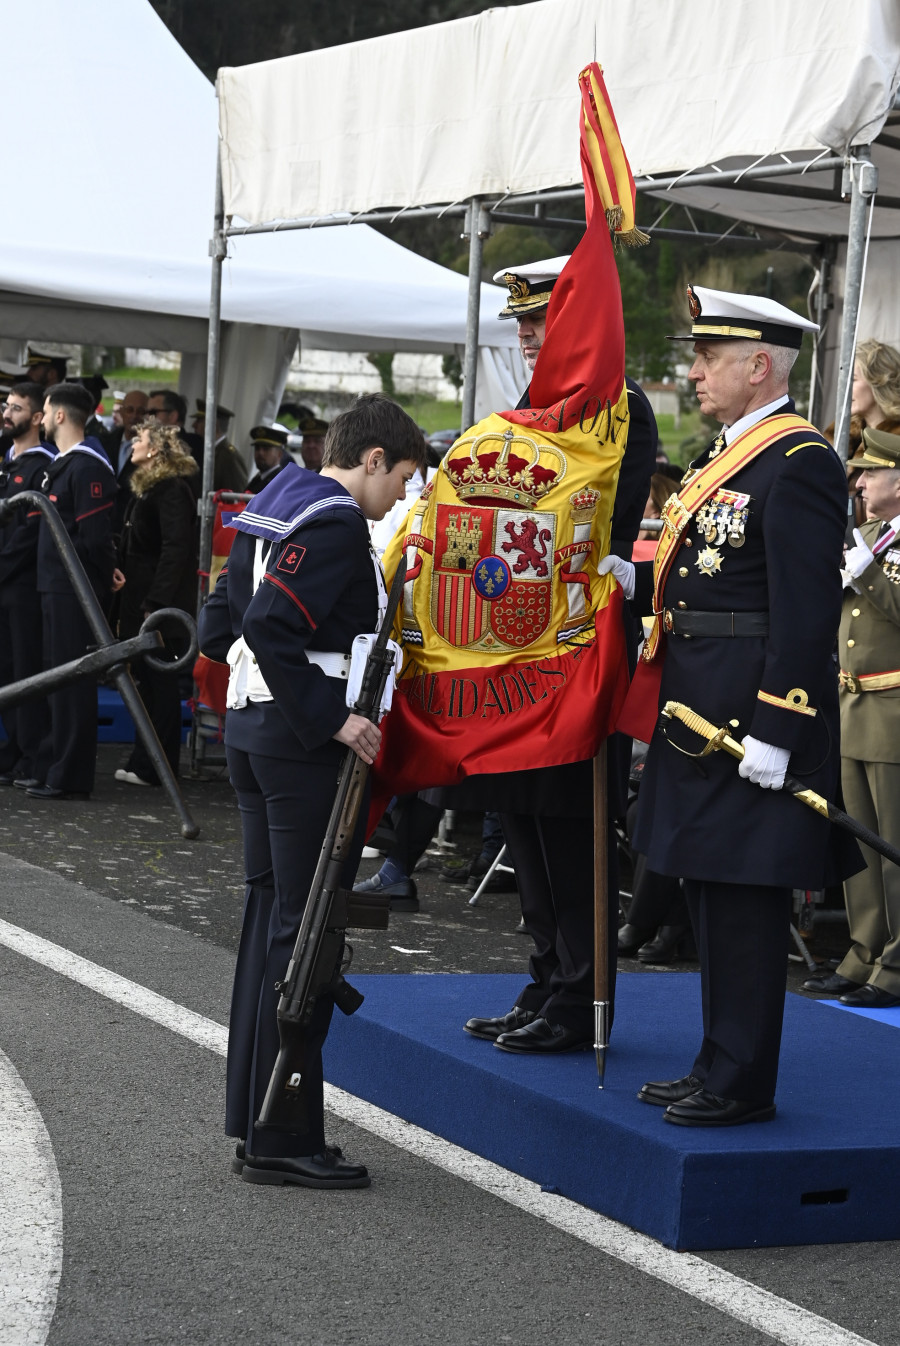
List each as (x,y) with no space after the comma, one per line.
(633,238)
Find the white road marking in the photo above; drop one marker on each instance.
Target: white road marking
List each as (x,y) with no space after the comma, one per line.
(30,1216)
(777,1318)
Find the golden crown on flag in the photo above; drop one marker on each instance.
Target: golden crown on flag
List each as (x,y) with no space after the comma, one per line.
(584,504)
(506,466)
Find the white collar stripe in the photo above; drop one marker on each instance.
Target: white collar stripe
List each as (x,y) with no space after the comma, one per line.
(280,526)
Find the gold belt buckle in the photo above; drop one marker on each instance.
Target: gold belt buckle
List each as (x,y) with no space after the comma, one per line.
(848,682)
(668,621)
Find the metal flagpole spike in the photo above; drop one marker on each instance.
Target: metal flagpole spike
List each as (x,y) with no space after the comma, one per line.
(602,988)
(601,1038)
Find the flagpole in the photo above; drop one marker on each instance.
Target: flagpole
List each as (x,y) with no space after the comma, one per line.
(601,913)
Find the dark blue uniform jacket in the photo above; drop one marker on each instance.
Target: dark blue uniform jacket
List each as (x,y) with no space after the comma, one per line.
(82,486)
(700,820)
(319,592)
(18,547)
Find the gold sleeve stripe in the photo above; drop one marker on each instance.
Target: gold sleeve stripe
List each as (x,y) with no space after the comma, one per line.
(808,444)
(790,702)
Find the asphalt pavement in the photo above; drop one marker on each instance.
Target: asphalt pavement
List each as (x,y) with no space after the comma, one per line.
(163,1244)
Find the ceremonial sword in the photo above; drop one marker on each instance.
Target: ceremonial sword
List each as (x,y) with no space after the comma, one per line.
(721,739)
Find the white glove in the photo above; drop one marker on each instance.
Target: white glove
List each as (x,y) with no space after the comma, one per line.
(763,763)
(622,571)
(858,558)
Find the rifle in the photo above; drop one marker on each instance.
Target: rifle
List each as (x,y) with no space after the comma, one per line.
(315,967)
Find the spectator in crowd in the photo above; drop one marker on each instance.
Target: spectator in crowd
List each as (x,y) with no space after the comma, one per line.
(170,408)
(94,430)
(118,441)
(875,396)
(229,469)
(312,428)
(45,369)
(269,446)
(20,612)
(81,484)
(661,488)
(157,569)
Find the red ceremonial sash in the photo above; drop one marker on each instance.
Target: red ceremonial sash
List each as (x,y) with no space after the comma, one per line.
(641,709)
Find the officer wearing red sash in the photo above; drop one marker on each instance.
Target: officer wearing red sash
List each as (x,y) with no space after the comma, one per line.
(746,592)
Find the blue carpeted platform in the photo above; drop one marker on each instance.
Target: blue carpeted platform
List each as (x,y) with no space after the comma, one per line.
(827,1170)
(115,725)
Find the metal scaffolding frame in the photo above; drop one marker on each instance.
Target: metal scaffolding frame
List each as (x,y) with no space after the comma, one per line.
(859,181)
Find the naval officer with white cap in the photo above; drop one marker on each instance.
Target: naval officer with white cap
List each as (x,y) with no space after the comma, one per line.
(746,593)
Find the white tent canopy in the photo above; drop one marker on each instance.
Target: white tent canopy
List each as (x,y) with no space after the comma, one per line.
(105,240)
(488,105)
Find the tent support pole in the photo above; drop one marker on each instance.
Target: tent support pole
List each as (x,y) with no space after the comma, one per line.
(823,296)
(218,251)
(861,182)
(478,228)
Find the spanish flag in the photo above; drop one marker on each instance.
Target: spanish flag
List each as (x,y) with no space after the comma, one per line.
(513,645)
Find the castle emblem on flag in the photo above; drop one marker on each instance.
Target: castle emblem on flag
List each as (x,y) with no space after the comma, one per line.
(492,584)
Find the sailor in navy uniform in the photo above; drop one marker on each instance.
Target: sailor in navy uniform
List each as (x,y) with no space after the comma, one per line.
(750,607)
(23,469)
(269,446)
(82,486)
(547,814)
(300,584)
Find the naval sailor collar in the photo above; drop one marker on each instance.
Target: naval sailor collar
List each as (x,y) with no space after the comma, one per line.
(731,432)
(296,496)
(85,448)
(45,449)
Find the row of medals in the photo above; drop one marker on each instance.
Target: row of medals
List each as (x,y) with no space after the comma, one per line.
(891,567)
(719,521)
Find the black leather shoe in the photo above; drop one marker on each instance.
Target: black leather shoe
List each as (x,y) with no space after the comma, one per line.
(870,997)
(50,792)
(403,894)
(671,942)
(540,1036)
(664,1092)
(504,1023)
(327,1169)
(26,782)
(240,1155)
(7,778)
(705,1109)
(829,983)
(631,937)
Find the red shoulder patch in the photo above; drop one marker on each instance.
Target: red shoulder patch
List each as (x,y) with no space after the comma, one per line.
(96,490)
(290,561)
(18,480)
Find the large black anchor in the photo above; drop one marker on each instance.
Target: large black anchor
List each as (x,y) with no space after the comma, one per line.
(110,656)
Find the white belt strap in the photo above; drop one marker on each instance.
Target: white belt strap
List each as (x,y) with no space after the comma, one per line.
(245,681)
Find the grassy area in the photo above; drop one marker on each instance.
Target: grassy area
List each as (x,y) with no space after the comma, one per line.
(431,414)
(127,378)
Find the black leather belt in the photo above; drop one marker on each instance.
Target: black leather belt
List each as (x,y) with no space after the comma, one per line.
(679,623)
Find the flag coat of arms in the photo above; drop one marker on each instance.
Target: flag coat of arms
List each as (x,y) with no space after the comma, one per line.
(513,644)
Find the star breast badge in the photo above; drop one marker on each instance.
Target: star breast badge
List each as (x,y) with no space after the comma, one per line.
(709,561)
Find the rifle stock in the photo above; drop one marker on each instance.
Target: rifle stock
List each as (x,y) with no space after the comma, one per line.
(315,966)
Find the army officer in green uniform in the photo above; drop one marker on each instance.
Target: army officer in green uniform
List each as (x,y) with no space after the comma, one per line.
(869,649)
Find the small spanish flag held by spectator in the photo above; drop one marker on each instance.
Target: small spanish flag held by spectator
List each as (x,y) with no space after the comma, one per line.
(513,645)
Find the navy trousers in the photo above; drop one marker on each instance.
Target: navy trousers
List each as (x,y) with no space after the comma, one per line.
(554,864)
(742,935)
(284,806)
(68,754)
(21,656)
